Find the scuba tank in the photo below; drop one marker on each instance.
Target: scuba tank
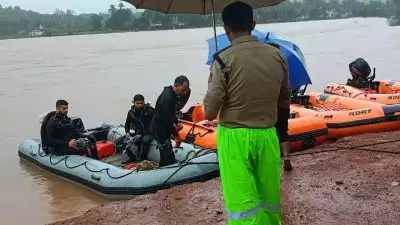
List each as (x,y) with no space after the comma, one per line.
(44,119)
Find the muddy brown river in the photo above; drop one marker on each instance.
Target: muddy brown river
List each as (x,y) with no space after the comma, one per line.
(99,74)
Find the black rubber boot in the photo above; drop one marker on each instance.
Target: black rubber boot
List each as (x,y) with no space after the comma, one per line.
(131,158)
(167,156)
(287,165)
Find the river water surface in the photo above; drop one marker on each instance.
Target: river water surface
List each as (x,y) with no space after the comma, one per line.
(99,74)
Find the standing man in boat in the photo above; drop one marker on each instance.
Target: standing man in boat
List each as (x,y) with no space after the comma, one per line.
(59,136)
(249,87)
(139,119)
(165,122)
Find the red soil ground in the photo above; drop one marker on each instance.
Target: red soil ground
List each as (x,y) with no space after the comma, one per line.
(350,186)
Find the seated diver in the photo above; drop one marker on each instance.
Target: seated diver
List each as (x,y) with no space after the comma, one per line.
(139,119)
(360,72)
(61,137)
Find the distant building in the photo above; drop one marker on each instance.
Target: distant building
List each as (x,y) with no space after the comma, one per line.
(155,25)
(176,23)
(37,32)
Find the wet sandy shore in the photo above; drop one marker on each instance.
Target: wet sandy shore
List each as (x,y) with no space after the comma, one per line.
(335,187)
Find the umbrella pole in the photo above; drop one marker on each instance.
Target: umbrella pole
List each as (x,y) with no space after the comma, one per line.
(214,25)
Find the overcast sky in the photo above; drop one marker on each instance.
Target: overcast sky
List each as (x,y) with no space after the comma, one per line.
(78,6)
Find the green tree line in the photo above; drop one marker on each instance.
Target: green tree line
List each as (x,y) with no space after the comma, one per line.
(16,22)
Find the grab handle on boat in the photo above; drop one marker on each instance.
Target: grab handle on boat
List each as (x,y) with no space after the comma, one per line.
(32,153)
(94,177)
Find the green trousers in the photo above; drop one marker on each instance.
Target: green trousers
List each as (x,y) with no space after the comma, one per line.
(249,162)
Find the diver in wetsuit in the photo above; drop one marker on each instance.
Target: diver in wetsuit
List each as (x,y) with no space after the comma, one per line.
(139,119)
(360,72)
(61,137)
(165,122)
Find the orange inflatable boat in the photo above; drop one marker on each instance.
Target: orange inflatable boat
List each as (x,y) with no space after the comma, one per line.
(304,133)
(346,116)
(384,92)
(388,86)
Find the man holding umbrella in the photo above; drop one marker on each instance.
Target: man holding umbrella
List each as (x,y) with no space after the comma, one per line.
(249,88)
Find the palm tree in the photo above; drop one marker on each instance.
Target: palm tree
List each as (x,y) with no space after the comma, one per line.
(121,5)
(396,12)
(112,9)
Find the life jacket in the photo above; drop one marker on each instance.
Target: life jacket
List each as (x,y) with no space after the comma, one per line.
(43,132)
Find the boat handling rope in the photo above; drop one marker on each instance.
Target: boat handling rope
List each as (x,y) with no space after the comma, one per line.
(191,136)
(187,162)
(179,166)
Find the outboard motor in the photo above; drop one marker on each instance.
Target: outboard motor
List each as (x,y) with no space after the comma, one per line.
(361,74)
(360,69)
(100,132)
(77,123)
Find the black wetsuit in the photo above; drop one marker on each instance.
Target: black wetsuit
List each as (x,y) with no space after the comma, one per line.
(140,120)
(282,124)
(163,124)
(59,131)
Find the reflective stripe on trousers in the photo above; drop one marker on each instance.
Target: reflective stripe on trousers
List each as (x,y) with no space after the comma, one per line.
(252,212)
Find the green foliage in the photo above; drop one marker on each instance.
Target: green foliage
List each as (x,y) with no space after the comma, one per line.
(96,22)
(395,19)
(16,22)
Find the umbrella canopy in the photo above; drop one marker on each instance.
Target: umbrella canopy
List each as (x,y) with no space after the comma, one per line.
(298,74)
(197,6)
